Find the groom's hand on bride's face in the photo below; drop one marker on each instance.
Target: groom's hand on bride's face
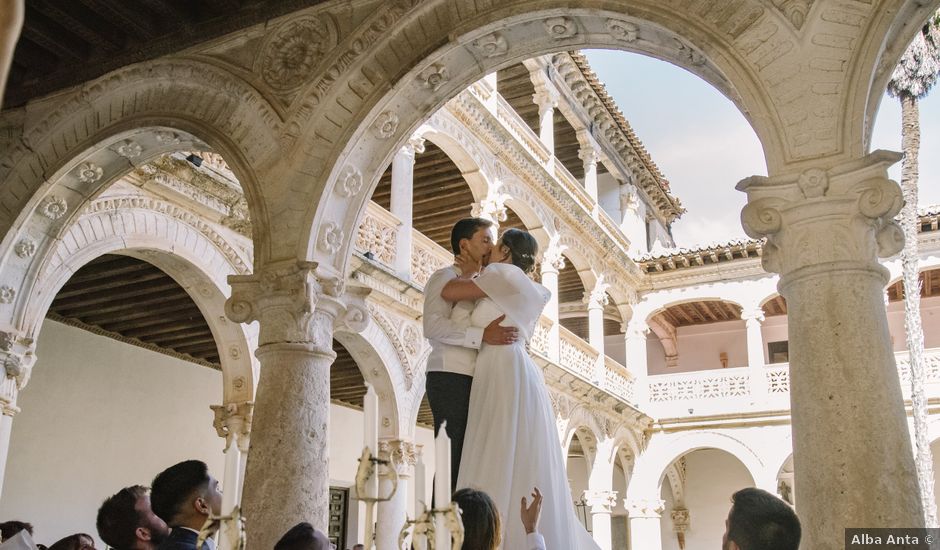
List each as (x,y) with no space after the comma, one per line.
(496,335)
(467,266)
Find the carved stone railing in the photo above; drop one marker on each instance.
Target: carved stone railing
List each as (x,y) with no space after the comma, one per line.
(619,381)
(378,234)
(576,355)
(521,131)
(778,378)
(426,257)
(932,367)
(573,186)
(612,228)
(700,385)
(539,343)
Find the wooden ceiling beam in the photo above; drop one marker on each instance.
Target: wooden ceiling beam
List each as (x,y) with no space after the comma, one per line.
(53,38)
(124,16)
(109,284)
(82,22)
(168,327)
(96,309)
(178,307)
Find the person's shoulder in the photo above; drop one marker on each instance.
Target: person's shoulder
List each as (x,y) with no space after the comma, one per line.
(502,268)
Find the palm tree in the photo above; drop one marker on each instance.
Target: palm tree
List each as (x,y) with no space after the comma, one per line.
(912,79)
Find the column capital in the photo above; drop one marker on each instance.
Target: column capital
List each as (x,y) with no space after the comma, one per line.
(637,328)
(588,155)
(493,206)
(414,145)
(553,259)
(600,501)
(834,218)
(17,354)
(401,453)
(753,316)
(597,297)
(233,423)
(296,304)
(645,507)
(546,97)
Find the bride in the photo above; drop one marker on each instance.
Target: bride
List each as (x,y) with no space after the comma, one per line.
(511,443)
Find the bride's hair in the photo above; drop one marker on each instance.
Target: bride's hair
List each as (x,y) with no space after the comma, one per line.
(480,520)
(522,248)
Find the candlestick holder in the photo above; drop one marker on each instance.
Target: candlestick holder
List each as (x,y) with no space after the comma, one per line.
(368,471)
(231,522)
(423,532)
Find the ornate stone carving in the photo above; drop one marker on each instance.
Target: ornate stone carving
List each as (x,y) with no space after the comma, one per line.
(297,47)
(167,137)
(629,199)
(623,31)
(350,182)
(597,297)
(411,337)
(331,238)
(680,520)
(822,217)
(794,10)
(493,206)
(25,248)
(17,357)
(434,77)
(128,149)
(289,302)
(814,183)
(53,207)
(689,53)
(385,125)
(390,331)
(601,502)
(402,454)
(7,294)
(233,423)
(553,257)
(89,172)
(492,45)
(560,28)
(645,508)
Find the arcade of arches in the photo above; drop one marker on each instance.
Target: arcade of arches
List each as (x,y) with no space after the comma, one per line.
(218,222)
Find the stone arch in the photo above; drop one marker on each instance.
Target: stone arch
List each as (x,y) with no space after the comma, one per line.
(380,125)
(650,468)
(462,149)
(172,239)
(112,124)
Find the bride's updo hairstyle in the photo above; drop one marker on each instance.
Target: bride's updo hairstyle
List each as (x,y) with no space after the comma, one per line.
(482,529)
(522,248)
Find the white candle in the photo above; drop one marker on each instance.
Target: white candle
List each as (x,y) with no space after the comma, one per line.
(441,486)
(370,438)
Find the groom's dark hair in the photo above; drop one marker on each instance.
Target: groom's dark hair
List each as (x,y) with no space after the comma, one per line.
(466,229)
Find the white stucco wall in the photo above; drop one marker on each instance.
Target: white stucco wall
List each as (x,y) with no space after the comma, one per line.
(712,477)
(608,196)
(99,415)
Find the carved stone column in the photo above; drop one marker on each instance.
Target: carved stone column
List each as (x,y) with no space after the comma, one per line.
(825,230)
(755,351)
(402,202)
(637,361)
(588,155)
(392,514)
(287,477)
(645,516)
(547,99)
(595,300)
(492,207)
(602,504)
(18,356)
(233,423)
(552,263)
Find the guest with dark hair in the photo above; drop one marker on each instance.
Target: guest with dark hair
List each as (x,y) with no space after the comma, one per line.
(759,520)
(127,522)
(482,526)
(10,528)
(78,541)
(184,496)
(303,537)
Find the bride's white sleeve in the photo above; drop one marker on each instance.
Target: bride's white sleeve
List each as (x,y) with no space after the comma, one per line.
(534,541)
(521,299)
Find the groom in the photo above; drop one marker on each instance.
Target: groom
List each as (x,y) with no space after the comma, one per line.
(454,343)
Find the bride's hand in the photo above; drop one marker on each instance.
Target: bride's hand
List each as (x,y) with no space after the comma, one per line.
(467,266)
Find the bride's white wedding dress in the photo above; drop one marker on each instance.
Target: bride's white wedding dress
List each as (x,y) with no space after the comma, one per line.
(511,444)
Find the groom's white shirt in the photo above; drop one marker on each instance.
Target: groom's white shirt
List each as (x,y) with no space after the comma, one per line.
(454,343)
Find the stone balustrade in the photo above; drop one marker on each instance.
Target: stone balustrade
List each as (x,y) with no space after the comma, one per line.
(576,355)
(426,258)
(619,381)
(529,140)
(378,234)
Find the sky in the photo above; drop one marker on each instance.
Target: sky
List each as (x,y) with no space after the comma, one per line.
(704,145)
